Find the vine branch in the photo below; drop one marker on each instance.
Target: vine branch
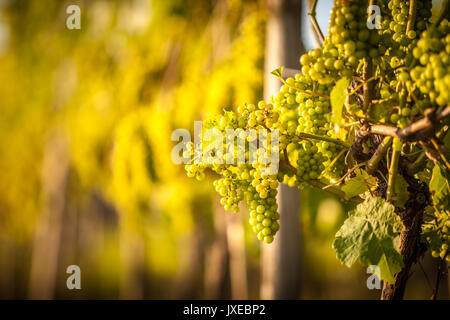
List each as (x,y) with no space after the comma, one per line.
(368,85)
(417,164)
(284,164)
(373,162)
(412,15)
(440,273)
(303,135)
(312,16)
(397,149)
(416,131)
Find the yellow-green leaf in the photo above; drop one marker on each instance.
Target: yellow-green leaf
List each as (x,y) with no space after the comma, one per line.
(278,72)
(337,97)
(401,191)
(359,184)
(439,186)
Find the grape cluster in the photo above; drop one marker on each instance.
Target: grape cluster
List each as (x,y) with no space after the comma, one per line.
(350,34)
(285,104)
(432,75)
(399,117)
(314,114)
(437,235)
(397,36)
(400,13)
(310,161)
(239,180)
(229,191)
(402,117)
(300,111)
(262,115)
(263,213)
(324,65)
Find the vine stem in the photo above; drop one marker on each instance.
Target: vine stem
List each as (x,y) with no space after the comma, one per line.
(410,250)
(373,162)
(362,84)
(396,150)
(332,162)
(412,218)
(312,16)
(336,191)
(416,131)
(417,164)
(368,85)
(303,91)
(284,164)
(359,165)
(303,135)
(442,156)
(440,273)
(412,15)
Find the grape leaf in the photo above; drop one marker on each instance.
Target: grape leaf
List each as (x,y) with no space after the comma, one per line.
(371,234)
(401,191)
(278,72)
(424,175)
(387,269)
(439,186)
(337,97)
(359,184)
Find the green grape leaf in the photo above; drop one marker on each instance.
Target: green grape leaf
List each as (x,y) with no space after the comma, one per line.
(439,186)
(424,175)
(401,191)
(337,97)
(371,235)
(388,267)
(359,184)
(278,72)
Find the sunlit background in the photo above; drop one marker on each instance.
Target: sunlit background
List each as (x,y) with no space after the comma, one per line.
(86,176)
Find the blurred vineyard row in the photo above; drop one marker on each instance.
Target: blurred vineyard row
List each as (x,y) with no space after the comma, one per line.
(86,123)
(86,118)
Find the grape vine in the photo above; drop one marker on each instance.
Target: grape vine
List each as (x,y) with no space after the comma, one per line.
(366,119)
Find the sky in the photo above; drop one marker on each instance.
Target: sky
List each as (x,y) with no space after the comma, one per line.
(323,10)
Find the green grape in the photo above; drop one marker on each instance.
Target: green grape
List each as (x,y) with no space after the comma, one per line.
(437,234)
(350,34)
(263,215)
(398,25)
(432,72)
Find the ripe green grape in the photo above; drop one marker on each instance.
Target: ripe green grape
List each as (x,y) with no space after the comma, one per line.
(263,213)
(437,234)
(432,74)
